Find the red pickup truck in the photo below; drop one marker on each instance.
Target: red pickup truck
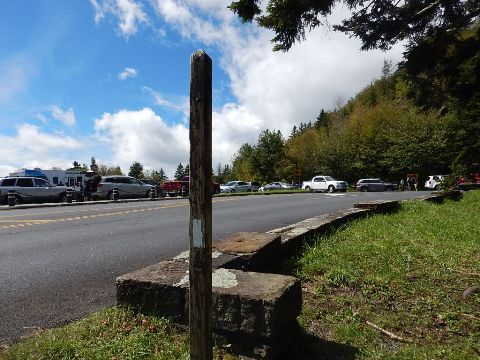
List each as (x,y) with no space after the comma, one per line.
(181,187)
(469,182)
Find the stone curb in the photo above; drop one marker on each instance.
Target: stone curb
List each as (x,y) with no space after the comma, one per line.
(255,316)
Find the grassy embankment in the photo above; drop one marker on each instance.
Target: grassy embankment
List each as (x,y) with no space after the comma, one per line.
(405,273)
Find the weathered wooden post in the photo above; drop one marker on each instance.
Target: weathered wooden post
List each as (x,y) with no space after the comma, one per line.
(200,229)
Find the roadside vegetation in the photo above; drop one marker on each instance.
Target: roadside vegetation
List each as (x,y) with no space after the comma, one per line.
(111,334)
(397,286)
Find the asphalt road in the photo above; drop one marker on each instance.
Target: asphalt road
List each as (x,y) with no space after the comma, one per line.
(60,264)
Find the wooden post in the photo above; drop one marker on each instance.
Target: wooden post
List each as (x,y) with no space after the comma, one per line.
(200,229)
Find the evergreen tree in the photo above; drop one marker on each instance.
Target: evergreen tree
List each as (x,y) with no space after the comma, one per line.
(179,173)
(136,170)
(294,131)
(268,155)
(227,173)
(158,176)
(186,171)
(322,120)
(93,165)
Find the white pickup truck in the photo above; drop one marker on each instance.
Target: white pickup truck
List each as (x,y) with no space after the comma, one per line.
(324,183)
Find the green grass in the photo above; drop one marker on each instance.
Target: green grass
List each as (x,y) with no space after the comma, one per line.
(111,334)
(404,272)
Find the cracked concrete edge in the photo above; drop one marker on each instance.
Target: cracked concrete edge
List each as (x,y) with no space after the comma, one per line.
(317,222)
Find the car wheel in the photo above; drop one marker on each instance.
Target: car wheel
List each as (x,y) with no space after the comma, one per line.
(18,200)
(62,198)
(308,188)
(232,191)
(435,187)
(249,190)
(364,189)
(110,195)
(331,189)
(389,188)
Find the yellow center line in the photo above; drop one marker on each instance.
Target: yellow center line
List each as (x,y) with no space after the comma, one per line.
(39,220)
(31,222)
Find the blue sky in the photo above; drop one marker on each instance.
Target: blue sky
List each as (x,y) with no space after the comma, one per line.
(110,79)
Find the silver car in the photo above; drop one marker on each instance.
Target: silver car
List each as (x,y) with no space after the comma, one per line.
(32,189)
(235,186)
(128,187)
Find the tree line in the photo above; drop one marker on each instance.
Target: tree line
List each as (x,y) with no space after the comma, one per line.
(425,118)
(382,132)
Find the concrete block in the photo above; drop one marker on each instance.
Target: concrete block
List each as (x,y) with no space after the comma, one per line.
(253,251)
(252,311)
(294,236)
(259,305)
(156,289)
(379,206)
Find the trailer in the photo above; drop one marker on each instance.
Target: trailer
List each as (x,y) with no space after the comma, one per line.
(75,178)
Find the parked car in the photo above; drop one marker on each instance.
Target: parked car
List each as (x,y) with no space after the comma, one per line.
(278,185)
(469,182)
(32,189)
(128,187)
(157,186)
(272,186)
(182,186)
(434,182)
(324,183)
(235,186)
(254,185)
(374,184)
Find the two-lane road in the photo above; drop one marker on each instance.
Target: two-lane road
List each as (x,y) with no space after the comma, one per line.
(59,264)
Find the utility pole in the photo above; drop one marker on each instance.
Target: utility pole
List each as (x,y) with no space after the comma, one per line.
(200,228)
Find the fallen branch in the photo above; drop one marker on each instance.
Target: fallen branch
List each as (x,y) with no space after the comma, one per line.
(463,272)
(468,316)
(388,333)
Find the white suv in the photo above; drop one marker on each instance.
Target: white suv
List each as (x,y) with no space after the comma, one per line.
(434,182)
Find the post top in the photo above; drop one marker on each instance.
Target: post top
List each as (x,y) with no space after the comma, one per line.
(199,54)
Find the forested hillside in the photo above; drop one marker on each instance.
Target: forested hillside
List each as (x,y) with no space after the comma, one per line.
(405,122)
(422,118)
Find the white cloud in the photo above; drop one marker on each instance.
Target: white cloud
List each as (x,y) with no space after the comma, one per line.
(31,147)
(277,89)
(5,170)
(13,78)
(127,73)
(273,90)
(143,136)
(129,12)
(183,106)
(65,116)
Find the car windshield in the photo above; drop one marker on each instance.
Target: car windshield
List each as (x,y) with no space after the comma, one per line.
(329,178)
(231,183)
